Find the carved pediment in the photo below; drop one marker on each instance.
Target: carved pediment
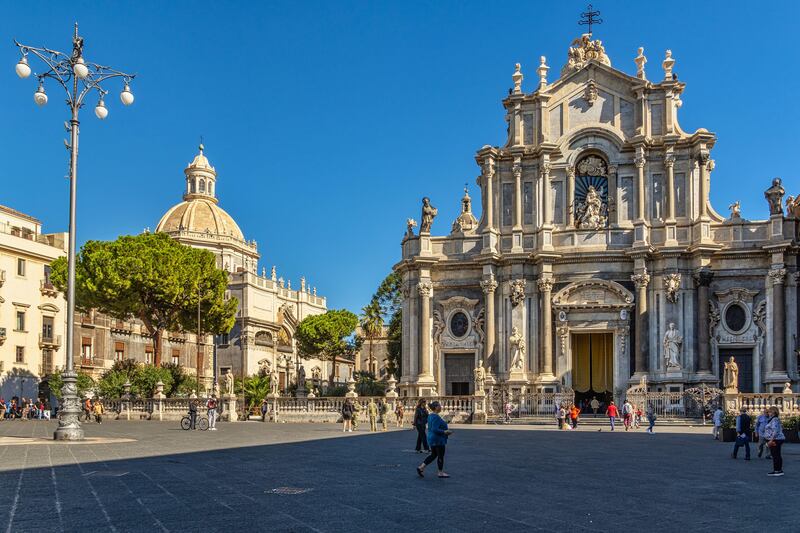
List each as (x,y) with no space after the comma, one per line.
(593,294)
(458,302)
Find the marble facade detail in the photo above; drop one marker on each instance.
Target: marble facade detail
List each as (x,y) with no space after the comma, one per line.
(596,218)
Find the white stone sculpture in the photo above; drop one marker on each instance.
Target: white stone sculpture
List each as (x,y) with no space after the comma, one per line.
(668,64)
(517,77)
(736,210)
(229,382)
(590,212)
(640,61)
(517,292)
(582,50)
(410,225)
(673,341)
(273,382)
(787,388)
(480,376)
(517,341)
(672,283)
(466,221)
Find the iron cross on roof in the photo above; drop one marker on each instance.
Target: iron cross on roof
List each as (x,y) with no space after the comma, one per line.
(590,17)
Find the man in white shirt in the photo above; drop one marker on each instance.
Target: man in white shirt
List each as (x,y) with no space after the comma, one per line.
(718,415)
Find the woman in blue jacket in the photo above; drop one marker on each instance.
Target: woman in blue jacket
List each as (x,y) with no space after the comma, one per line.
(437,440)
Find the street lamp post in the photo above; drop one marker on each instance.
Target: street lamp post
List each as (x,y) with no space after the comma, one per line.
(78,78)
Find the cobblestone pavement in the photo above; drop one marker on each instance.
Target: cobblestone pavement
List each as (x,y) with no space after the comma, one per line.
(306,477)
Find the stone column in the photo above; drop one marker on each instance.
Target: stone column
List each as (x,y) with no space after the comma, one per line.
(778,321)
(489,285)
(706,164)
(703,279)
(489,231)
(639,162)
(669,164)
(545,289)
(547,212)
(425,289)
(641,281)
(570,200)
(517,169)
(613,196)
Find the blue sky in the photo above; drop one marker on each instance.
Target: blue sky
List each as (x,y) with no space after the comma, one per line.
(328,121)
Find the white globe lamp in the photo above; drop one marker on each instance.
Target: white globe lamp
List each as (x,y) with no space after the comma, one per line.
(80,69)
(126,96)
(100,110)
(22,68)
(39,96)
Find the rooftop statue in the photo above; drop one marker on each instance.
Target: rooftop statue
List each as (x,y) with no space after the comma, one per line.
(774,196)
(428,214)
(584,49)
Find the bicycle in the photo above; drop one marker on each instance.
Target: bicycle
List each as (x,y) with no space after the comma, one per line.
(201,423)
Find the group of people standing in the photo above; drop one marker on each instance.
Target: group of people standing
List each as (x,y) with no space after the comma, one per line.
(24,409)
(768,432)
(93,409)
(568,415)
(378,413)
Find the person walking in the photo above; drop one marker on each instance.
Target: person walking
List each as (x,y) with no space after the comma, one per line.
(612,414)
(574,412)
(742,434)
(356,414)
(399,412)
(773,431)
(211,411)
(627,412)
(651,419)
(718,416)
(384,406)
(264,409)
(420,422)
(87,409)
(347,416)
(437,438)
(98,410)
(595,405)
(507,409)
(560,413)
(372,411)
(761,424)
(637,417)
(192,413)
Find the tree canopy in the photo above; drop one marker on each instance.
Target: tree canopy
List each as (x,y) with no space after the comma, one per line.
(388,299)
(326,335)
(155,279)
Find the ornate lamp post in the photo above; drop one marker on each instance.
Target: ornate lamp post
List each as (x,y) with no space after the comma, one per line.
(78,78)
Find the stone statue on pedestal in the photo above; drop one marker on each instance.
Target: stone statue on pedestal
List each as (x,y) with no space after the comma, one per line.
(673,340)
(273,382)
(774,196)
(301,377)
(517,341)
(787,388)
(480,376)
(428,214)
(229,383)
(730,379)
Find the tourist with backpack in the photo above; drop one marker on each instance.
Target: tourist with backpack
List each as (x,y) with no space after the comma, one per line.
(627,413)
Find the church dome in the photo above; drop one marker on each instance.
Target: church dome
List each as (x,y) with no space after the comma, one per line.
(199,215)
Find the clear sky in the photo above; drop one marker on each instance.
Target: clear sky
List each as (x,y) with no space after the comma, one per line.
(328,121)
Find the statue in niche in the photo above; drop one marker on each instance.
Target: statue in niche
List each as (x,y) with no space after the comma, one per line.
(591,213)
(428,214)
(730,378)
(517,341)
(673,340)
(774,196)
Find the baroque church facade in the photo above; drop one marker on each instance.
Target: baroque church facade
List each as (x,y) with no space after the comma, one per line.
(598,259)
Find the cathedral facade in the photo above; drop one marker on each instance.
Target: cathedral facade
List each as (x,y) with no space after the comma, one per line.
(598,259)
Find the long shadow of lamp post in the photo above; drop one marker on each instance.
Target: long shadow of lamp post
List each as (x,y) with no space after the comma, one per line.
(78,78)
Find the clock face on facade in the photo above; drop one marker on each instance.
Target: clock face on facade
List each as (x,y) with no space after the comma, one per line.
(459,324)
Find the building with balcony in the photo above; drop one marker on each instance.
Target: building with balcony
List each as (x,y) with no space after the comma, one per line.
(32,312)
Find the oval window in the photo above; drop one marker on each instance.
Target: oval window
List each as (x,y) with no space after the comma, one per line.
(459,324)
(735,317)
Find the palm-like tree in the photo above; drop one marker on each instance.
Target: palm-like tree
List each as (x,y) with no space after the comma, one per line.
(371,326)
(256,389)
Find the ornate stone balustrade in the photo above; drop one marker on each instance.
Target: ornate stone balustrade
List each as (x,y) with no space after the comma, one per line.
(788,404)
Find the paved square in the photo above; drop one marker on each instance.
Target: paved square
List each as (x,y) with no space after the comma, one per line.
(306,477)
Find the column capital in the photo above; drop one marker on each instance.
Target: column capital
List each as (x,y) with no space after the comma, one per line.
(489,285)
(702,277)
(703,157)
(571,171)
(639,161)
(641,280)
(545,284)
(544,170)
(777,275)
(425,288)
(669,160)
(517,167)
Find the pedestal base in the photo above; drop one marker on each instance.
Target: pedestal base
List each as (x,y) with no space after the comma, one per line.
(69,425)
(230,408)
(479,408)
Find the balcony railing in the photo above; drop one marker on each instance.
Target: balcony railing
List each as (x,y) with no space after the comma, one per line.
(47,288)
(49,341)
(121,326)
(2,277)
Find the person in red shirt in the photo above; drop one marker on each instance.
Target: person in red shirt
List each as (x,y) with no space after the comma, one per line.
(612,414)
(574,411)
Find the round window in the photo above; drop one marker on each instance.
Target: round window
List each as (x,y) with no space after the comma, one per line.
(459,324)
(735,317)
